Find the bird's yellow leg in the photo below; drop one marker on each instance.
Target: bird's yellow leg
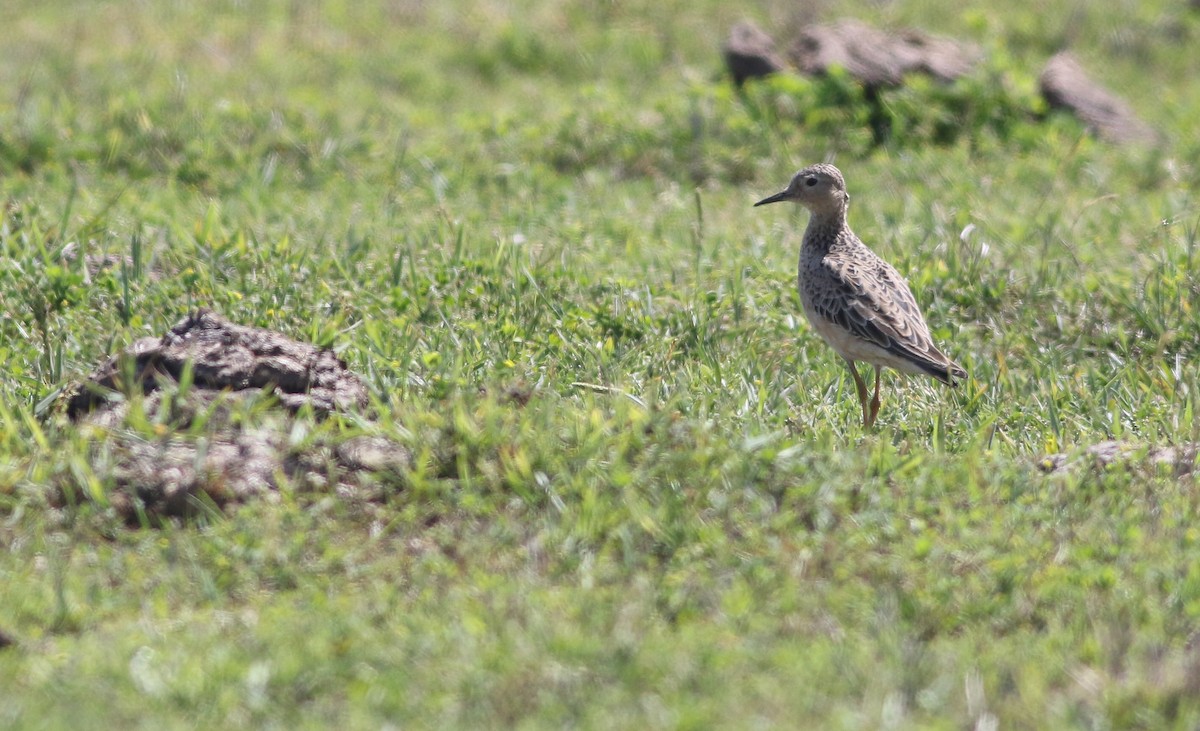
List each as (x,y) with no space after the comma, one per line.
(875,399)
(861,388)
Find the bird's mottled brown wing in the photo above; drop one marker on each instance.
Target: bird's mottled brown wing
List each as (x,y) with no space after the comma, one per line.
(873,303)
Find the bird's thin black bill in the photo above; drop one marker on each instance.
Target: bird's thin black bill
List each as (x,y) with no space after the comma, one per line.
(781,195)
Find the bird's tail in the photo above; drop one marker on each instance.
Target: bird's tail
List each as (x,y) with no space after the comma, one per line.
(945,372)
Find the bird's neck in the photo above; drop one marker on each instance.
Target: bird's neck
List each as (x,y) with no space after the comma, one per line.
(825,226)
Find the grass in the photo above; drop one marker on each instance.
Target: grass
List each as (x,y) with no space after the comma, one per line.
(468,198)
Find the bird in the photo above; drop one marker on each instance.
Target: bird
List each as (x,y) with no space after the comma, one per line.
(856,301)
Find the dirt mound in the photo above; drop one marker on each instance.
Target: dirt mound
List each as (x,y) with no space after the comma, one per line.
(227,356)
(192,421)
(750,53)
(880,59)
(873,57)
(1066,85)
(877,58)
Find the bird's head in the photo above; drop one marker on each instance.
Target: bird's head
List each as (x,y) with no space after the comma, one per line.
(819,188)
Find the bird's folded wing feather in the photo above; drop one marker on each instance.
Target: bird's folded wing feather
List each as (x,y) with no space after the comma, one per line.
(878,307)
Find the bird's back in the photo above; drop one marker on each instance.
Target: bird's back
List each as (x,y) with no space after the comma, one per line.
(863,307)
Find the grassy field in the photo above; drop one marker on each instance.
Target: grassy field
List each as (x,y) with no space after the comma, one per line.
(469,198)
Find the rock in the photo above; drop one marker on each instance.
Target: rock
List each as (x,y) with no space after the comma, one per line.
(1180,458)
(750,53)
(1066,85)
(212,444)
(877,58)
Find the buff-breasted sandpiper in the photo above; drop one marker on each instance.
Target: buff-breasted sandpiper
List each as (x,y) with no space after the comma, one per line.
(856,301)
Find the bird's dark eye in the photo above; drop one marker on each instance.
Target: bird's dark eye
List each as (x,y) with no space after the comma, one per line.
(810,182)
